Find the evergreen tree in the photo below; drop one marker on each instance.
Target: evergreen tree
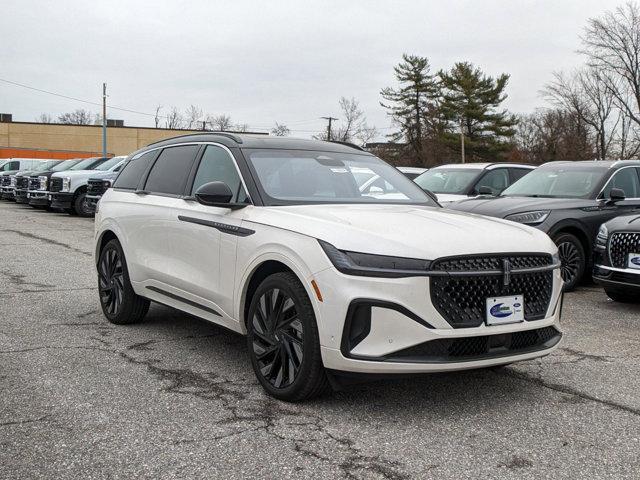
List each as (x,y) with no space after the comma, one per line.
(409,103)
(470,100)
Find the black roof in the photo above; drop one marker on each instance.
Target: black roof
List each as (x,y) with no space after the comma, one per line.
(236,140)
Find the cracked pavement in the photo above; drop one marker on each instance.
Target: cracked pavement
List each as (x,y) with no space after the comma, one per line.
(175,396)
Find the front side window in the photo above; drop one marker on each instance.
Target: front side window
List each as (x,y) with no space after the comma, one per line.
(85,164)
(132,172)
(170,171)
(301,176)
(62,166)
(558,181)
(454,181)
(218,166)
(108,164)
(497,180)
(626,179)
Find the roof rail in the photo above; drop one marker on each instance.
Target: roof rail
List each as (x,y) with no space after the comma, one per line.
(349,144)
(230,136)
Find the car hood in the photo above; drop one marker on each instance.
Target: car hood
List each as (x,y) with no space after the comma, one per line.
(503,206)
(102,174)
(76,173)
(628,223)
(403,230)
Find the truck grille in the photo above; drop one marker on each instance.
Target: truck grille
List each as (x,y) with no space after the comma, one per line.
(34,183)
(5,180)
(621,245)
(461,299)
(56,184)
(96,186)
(22,183)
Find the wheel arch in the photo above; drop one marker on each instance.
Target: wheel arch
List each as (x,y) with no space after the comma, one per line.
(577,231)
(105,237)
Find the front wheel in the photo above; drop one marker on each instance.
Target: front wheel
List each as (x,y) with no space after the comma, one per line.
(120,304)
(80,206)
(572,259)
(283,341)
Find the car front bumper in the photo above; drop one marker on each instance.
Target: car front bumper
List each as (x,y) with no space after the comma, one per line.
(7,193)
(617,278)
(91,203)
(38,197)
(407,334)
(21,196)
(61,200)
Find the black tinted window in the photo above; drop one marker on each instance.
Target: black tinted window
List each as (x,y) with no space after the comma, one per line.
(217,166)
(133,171)
(169,173)
(518,173)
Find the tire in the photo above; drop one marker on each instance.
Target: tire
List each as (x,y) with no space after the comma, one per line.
(572,258)
(80,206)
(120,304)
(623,296)
(70,211)
(282,333)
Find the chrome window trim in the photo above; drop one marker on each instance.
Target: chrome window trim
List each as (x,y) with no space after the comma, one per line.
(611,178)
(216,144)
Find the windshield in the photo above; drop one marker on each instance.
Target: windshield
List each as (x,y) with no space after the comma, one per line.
(112,162)
(46,165)
(84,164)
(300,176)
(66,165)
(564,181)
(448,180)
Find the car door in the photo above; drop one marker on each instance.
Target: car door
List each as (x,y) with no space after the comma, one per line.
(203,238)
(626,179)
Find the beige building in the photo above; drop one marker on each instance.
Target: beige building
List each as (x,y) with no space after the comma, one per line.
(43,140)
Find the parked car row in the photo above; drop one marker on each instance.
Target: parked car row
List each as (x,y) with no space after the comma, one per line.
(56,184)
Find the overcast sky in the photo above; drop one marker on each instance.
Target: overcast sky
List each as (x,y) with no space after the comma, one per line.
(267,61)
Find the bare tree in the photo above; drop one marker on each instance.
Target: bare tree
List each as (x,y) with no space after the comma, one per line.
(193,116)
(220,123)
(157,116)
(45,118)
(174,119)
(585,93)
(77,117)
(280,130)
(353,126)
(611,44)
(241,127)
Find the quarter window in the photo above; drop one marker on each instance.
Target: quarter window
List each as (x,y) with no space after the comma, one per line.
(218,166)
(132,172)
(625,179)
(170,171)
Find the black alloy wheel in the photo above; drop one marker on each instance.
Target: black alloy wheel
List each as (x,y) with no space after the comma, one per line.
(278,337)
(283,340)
(111,281)
(119,302)
(572,260)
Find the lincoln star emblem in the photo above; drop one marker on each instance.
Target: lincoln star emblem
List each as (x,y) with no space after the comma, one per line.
(506,272)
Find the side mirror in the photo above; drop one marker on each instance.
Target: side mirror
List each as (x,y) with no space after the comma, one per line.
(485,190)
(217,194)
(616,195)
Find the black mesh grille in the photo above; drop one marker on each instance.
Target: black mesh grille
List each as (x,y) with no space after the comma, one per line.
(5,180)
(478,347)
(95,186)
(621,245)
(56,184)
(34,183)
(22,182)
(461,300)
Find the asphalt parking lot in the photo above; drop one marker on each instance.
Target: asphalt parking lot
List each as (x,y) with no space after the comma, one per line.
(175,397)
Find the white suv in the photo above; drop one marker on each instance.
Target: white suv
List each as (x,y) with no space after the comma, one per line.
(272,238)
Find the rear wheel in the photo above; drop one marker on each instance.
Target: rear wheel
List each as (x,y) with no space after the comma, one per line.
(120,304)
(283,340)
(572,259)
(623,296)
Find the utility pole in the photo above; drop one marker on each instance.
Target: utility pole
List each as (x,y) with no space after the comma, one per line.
(462,138)
(330,119)
(104,119)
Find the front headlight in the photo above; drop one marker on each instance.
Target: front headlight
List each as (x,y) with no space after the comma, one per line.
(106,184)
(529,218)
(369,265)
(44,180)
(66,184)
(603,236)
(13,181)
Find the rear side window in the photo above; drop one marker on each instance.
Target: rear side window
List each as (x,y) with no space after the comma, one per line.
(132,172)
(497,180)
(170,171)
(217,166)
(518,173)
